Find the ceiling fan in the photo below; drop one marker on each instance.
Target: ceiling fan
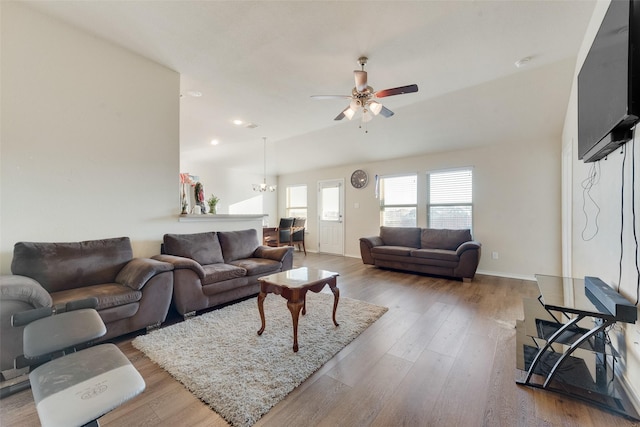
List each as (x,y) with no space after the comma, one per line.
(363,97)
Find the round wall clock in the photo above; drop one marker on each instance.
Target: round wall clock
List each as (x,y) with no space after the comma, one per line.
(359,179)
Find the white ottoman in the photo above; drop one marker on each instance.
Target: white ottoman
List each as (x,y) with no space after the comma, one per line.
(78,388)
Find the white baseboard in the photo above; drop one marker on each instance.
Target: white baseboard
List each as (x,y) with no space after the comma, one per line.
(507,275)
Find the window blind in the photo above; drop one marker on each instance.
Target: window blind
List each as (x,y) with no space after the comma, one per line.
(399,201)
(450,199)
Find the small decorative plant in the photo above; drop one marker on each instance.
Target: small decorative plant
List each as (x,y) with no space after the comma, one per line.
(212,201)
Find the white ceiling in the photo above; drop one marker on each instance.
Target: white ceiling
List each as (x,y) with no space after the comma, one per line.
(260,61)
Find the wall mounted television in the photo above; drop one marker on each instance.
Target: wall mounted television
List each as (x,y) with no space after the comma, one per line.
(609,83)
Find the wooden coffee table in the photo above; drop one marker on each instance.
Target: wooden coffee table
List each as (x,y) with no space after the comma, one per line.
(293,285)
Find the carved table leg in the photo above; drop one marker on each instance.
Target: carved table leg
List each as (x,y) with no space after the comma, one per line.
(261,297)
(294,308)
(336,298)
(304,305)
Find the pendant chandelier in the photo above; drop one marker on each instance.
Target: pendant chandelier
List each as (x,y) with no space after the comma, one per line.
(264,187)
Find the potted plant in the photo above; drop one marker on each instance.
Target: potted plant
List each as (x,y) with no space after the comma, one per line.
(212,201)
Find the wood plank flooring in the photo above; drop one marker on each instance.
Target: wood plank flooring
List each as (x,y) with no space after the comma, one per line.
(443,355)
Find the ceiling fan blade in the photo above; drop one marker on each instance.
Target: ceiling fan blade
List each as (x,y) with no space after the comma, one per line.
(341,115)
(386,112)
(330,97)
(397,91)
(361,80)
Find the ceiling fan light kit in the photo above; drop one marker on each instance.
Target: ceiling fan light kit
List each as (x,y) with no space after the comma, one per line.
(363,97)
(375,107)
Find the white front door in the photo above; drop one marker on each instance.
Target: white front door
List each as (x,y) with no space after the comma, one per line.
(331,224)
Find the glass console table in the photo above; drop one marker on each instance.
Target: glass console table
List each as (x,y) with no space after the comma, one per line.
(563,345)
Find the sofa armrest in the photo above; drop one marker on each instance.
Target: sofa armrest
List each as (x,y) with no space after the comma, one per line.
(24,289)
(469,253)
(17,293)
(467,246)
(283,254)
(138,271)
(366,244)
(274,253)
(372,241)
(179,262)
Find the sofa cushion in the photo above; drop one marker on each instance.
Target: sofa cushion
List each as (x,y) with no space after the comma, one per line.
(256,266)
(108,295)
(219,272)
(119,312)
(400,236)
(204,248)
(61,266)
(440,254)
(213,290)
(392,250)
(238,244)
(433,238)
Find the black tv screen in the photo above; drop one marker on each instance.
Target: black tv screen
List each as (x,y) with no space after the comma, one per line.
(608,83)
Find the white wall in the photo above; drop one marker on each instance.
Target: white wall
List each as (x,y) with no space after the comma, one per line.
(516,202)
(90,150)
(89,139)
(595,251)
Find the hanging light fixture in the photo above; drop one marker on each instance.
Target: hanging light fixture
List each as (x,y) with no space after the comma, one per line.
(264,187)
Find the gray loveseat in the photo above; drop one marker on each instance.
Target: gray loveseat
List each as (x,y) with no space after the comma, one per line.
(441,252)
(132,293)
(214,268)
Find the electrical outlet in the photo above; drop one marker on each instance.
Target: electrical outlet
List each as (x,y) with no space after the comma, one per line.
(495,255)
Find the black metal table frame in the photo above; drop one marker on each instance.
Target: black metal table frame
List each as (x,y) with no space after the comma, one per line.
(602,321)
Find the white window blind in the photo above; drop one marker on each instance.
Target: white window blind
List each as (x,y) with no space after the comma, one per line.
(297,201)
(450,199)
(398,201)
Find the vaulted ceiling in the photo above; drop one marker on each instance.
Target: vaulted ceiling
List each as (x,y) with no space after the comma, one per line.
(260,62)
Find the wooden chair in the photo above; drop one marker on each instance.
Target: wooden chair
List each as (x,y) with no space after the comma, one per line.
(282,235)
(297,234)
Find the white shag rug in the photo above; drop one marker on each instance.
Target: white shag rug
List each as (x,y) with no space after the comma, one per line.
(221,359)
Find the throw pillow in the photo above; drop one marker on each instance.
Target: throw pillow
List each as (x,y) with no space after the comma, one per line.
(204,248)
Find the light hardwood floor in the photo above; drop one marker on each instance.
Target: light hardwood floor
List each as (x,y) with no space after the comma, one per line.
(443,355)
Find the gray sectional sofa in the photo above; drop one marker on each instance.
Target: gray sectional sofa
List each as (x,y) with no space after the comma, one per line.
(214,268)
(442,252)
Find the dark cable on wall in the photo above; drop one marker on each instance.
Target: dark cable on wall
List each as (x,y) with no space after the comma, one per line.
(592,179)
(624,162)
(633,213)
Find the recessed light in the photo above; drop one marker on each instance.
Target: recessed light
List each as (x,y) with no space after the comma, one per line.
(244,124)
(523,62)
(215,142)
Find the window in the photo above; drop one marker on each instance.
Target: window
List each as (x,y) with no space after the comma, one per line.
(398,201)
(297,201)
(450,199)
